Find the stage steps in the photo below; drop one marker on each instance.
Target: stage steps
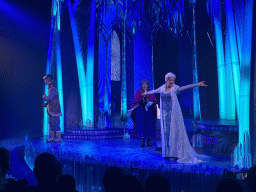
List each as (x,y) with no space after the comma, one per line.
(81,133)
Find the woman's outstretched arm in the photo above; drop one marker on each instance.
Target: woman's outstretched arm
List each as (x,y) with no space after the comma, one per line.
(152,92)
(200,84)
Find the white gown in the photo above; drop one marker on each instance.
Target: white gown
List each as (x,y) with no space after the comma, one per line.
(174,137)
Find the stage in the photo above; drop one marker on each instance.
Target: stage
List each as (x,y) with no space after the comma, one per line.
(97,54)
(87,161)
(121,149)
(111,143)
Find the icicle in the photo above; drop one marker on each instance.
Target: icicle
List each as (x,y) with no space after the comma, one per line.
(249,140)
(168,18)
(180,15)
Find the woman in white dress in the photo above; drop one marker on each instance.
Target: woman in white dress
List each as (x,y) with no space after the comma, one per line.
(174,137)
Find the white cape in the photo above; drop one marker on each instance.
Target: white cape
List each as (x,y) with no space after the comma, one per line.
(179,145)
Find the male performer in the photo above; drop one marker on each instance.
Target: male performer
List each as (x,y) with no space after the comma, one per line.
(53,109)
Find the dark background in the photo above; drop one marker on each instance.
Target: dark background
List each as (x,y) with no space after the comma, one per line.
(24,36)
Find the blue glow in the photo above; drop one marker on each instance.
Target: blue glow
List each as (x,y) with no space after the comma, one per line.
(59,81)
(56,11)
(233,51)
(8,9)
(239,24)
(90,65)
(20,20)
(101,73)
(242,153)
(54,7)
(107,84)
(245,73)
(238,38)
(104,89)
(75,5)
(230,96)
(58,20)
(45,121)
(152,65)
(196,101)
(48,71)
(80,65)
(123,89)
(220,63)
(142,59)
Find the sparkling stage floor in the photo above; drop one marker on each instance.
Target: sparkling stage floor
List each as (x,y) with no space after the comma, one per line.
(119,148)
(116,149)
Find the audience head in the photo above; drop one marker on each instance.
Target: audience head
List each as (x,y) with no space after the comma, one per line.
(112,178)
(60,171)
(251,178)
(66,183)
(131,183)
(230,174)
(47,168)
(4,161)
(229,184)
(157,183)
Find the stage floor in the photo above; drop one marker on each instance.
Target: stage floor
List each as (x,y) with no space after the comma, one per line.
(121,149)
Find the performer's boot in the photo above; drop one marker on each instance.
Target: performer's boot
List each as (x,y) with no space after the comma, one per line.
(58,137)
(149,144)
(142,142)
(51,139)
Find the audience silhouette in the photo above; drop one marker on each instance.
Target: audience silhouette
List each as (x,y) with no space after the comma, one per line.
(5,185)
(251,179)
(47,170)
(112,179)
(228,184)
(131,183)
(66,183)
(157,183)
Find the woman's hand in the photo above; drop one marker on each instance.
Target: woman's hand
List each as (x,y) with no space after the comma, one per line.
(201,84)
(144,94)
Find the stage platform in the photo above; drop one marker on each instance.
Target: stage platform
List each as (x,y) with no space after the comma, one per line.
(122,149)
(90,151)
(87,161)
(218,125)
(217,136)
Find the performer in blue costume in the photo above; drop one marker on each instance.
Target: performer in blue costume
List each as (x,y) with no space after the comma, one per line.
(174,137)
